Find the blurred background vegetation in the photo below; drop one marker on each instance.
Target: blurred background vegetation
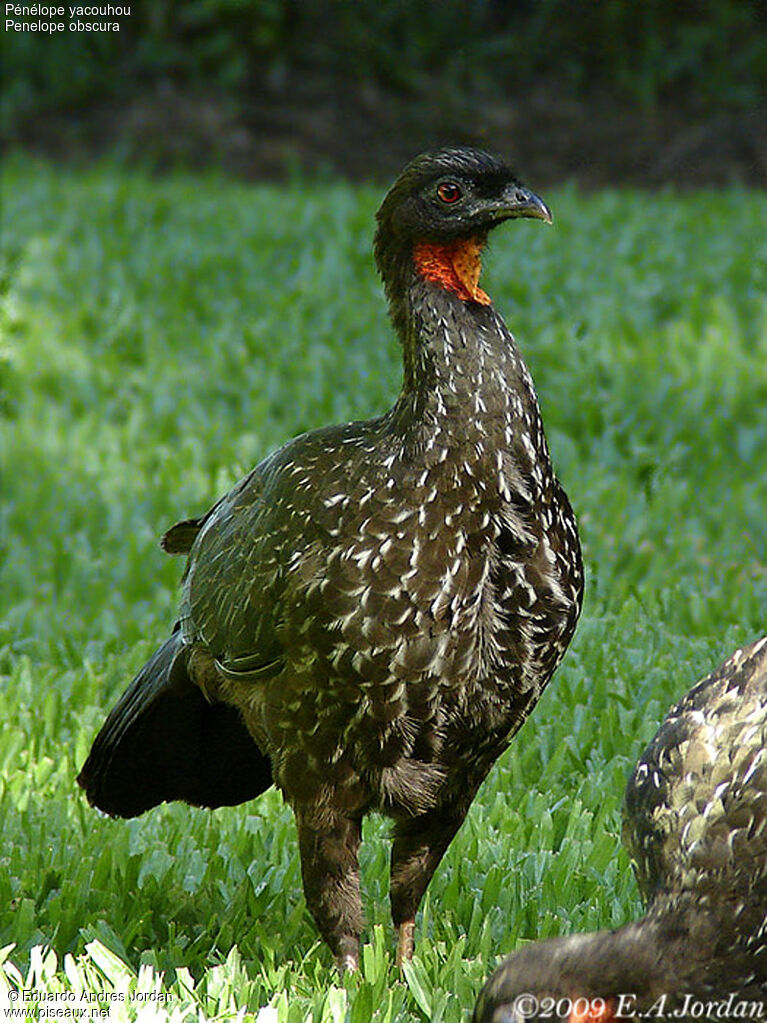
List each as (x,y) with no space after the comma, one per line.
(598,91)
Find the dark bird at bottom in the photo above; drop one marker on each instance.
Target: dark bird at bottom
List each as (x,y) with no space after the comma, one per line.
(369,616)
(695,824)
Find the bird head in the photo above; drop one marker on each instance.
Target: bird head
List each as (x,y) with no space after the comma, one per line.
(589,978)
(436,217)
(543,981)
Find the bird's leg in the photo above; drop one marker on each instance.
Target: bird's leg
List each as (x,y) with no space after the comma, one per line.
(328,843)
(419,844)
(405,941)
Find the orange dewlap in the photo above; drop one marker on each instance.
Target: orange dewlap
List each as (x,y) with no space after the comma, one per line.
(594,1012)
(455,267)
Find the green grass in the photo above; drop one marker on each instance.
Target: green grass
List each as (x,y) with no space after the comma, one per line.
(161,337)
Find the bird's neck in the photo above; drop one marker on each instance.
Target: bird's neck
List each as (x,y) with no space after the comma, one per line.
(654,961)
(462,369)
(685,947)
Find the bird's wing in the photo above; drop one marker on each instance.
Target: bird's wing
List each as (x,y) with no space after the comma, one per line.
(252,583)
(231,599)
(257,552)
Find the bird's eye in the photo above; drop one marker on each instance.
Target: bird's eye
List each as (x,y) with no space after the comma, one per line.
(449,192)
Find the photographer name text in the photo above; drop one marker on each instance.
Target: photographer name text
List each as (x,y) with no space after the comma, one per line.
(88,1005)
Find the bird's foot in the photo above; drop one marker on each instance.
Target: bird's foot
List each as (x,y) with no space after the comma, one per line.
(347,963)
(348,956)
(405,941)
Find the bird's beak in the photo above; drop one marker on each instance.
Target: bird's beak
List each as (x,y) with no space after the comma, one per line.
(518,201)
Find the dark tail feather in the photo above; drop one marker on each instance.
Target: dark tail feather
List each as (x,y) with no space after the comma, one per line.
(179,538)
(164,741)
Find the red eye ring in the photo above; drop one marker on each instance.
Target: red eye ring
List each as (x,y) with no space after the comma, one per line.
(449,192)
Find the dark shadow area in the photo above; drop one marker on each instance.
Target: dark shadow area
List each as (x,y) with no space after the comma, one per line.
(601,93)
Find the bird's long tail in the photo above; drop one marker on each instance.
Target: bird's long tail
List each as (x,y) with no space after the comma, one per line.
(164,741)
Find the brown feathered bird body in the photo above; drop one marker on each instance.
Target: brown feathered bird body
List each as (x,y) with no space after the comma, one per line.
(383,602)
(695,823)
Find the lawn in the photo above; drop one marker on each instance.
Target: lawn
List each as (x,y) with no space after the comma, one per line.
(160,337)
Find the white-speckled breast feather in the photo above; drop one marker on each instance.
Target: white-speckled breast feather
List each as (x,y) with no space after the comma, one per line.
(392,588)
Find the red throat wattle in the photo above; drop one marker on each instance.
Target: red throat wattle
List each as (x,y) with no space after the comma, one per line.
(454,266)
(595,1010)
